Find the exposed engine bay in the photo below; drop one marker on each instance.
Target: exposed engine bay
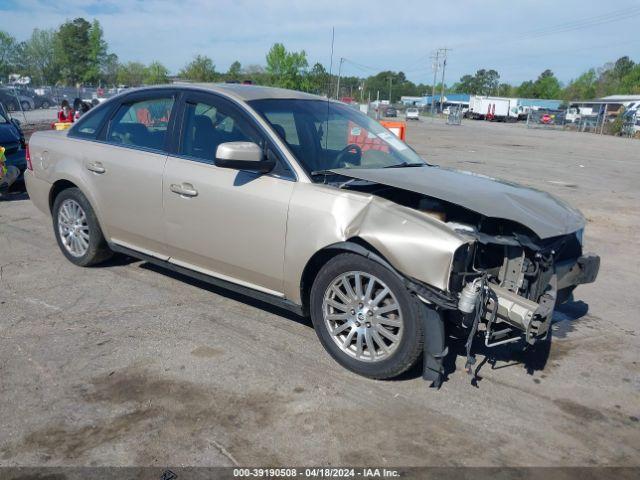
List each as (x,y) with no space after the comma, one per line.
(506,281)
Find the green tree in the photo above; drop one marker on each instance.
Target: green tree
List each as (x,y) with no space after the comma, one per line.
(505,90)
(397,82)
(97,53)
(287,69)
(200,69)
(110,67)
(582,88)
(132,74)
(630,83)
(234,72)
(73,51)
(484,82)
(547,86)
(8,47)
(39,57)
(156,74)
(318,79)
(622,67)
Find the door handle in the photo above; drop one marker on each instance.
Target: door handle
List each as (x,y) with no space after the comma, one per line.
(96,167)
(185,189)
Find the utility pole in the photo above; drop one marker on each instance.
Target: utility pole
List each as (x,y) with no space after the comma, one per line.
(435,74)
(338,85)
(390,79)
(444,65)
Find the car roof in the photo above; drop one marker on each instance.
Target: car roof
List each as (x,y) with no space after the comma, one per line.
(240,91)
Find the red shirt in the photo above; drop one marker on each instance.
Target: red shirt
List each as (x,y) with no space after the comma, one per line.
(65,119)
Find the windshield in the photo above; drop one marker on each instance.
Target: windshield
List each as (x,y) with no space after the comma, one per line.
(327,135)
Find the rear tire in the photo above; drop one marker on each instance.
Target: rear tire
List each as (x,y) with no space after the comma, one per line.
(343,319)
(26,106)
(77,230)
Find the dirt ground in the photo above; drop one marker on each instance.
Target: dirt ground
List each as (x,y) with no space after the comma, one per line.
(127,364)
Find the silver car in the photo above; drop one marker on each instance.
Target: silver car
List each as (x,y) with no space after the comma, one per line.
(308,204)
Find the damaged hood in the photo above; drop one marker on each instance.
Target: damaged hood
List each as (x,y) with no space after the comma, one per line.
(544,214)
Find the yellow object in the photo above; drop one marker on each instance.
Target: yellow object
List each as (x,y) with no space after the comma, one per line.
(3,167)
(62,125)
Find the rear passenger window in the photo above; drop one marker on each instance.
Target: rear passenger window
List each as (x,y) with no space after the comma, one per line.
(206,127)
(90,123)
(141,124)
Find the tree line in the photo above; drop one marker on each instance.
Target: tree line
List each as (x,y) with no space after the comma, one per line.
(619,77)
(77,53)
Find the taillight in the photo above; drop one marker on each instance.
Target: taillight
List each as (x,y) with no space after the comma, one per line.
(28,158)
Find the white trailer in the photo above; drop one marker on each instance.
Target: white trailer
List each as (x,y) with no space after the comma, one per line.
(575,113)
(493,108)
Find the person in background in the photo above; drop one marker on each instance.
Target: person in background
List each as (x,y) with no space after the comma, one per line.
(65,115)
(77,106)
(84,107)
(80,108)
(8,174)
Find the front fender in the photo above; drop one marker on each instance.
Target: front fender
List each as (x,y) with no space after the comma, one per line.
(415,244)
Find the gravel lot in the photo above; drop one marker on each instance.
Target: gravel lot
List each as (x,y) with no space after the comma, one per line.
(130,365)
(40,115)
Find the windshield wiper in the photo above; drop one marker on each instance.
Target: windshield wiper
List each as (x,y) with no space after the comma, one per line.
(323,172)
(406,164)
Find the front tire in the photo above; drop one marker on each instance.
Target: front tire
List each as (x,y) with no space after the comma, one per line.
(365,317)
(77,230)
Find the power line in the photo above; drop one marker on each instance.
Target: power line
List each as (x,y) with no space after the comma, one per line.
(585,22)
(435,74)
(444,66)
(577,24)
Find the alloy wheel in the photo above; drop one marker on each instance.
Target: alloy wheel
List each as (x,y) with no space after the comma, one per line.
(73,228)
(363,316)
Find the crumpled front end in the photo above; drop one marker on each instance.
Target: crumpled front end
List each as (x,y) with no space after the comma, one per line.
(521,256)
(509,285)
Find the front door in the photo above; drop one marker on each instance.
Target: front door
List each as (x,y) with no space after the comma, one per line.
(227,223)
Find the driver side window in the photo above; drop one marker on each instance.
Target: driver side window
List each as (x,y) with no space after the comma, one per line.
(206,126)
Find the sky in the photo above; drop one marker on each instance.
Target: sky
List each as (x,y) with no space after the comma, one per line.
(518,38)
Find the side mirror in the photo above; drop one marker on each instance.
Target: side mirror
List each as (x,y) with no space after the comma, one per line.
(243,156)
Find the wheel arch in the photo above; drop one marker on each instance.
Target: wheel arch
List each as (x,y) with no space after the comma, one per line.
(65,183)
(57,187)
(353,245)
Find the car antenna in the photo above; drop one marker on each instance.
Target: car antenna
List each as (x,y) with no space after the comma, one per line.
(326,133)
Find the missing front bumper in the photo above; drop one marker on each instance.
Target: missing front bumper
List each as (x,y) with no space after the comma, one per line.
(523,315)
(576,272)
(533,319)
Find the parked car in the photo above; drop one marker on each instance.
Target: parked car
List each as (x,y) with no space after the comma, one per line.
(553,117)
(390,112)
(26,102)
(12,139)
(412,114)
(311,205)
(9,102)
(39,101)
(43,101)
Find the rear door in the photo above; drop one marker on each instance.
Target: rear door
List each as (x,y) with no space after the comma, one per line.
(124,170)
(226,223)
